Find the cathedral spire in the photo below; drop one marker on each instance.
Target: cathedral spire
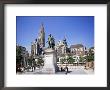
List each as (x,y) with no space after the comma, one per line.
(64,37)
(42,24)
(41,37)
(42,27)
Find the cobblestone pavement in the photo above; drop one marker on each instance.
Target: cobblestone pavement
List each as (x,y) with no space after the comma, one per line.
(72,70)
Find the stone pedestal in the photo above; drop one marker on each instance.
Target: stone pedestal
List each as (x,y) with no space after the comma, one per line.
(50,64)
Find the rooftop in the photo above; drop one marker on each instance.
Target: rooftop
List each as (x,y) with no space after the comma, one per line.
(76,46)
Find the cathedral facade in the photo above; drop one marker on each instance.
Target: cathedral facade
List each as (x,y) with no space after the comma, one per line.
(41,37)
(39,43)
(61,48)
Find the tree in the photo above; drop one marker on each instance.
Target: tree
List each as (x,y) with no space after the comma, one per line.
(90,56)
(81,59)
(62,60)
(40,61)
(19,56)
(70,60)
(67,59)
(30,61)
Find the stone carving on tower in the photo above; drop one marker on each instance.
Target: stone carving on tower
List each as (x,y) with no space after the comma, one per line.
(39,43)
(65,45)
(41,37)
(62,47)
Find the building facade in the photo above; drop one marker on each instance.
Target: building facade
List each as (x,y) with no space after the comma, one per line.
(41,37)
(39,43)
(61,47)
(78,50)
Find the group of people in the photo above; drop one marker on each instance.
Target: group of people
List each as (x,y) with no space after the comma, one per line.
(28,68)
(65,69)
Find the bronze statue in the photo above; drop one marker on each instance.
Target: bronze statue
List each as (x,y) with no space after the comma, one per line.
(51,41)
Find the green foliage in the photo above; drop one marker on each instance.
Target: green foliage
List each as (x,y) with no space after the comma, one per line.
(19,56)
(63,60)
(90,55)
(81,59)
(40,61)
(90,58)
(70,60)
(30,61)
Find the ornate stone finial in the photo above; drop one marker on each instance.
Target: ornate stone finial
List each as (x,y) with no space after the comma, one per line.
(42,24)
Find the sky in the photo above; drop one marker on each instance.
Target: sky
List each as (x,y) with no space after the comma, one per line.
(76,29)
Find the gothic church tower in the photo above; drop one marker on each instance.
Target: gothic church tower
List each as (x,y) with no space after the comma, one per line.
(41,37)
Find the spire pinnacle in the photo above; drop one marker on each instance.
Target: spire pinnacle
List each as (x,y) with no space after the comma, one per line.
(65,37)
(42,27)
(42,24)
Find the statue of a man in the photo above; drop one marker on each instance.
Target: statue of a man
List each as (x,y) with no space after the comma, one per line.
(51,41)
(64,42)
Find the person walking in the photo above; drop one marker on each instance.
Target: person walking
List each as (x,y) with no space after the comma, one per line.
(61,69)
(66,68)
